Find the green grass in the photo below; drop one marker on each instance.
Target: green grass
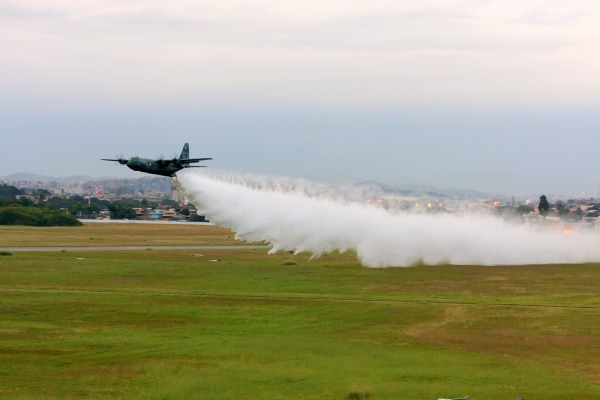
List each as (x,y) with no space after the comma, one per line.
(115,234)
(175,325)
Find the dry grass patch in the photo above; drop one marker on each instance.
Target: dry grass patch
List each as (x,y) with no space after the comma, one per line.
(116,234)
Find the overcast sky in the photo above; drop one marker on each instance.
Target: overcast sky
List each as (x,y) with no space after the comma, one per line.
(501,96)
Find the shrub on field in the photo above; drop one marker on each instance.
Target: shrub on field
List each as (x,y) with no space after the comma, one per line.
(34,216)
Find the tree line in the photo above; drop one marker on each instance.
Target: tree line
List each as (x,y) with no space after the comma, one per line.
(25,211)
(48,210)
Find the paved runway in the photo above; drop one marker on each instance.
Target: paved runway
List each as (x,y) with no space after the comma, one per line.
(101,248)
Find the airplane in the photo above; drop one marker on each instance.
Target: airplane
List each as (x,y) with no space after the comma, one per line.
(161,167)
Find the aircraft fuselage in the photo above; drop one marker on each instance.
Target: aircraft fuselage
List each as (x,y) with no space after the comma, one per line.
(157,167)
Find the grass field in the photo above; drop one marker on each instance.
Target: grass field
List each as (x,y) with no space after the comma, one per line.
(177,325)
(117,234)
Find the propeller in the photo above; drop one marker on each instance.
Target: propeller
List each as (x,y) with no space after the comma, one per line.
(162,162)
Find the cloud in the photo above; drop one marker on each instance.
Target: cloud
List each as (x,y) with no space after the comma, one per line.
(331,54)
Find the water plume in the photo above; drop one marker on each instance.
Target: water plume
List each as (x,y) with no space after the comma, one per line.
(301,216)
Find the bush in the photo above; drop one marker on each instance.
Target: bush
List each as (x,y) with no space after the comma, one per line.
(197,218)
(34,216)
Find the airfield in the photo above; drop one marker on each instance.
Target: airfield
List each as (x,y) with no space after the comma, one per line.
(227,321)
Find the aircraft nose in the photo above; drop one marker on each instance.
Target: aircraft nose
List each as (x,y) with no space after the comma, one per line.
(133,164)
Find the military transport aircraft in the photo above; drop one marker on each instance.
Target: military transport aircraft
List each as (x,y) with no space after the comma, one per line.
(161,167)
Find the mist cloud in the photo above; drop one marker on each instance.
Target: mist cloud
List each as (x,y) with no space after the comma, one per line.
(299,216)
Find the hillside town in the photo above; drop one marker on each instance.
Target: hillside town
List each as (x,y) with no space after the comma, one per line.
(142,199)
(153,198)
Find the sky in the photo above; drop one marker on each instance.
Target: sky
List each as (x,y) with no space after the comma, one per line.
(498,96)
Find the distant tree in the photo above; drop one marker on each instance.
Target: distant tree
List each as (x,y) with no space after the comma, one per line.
(9,192)
(76,198)
(170,203)
(524,209)
(41,194)
(543,207)
(36,216)
(197,218)
(148,204)
(12,203)
(121,210)
(22,202)
(563,209)
(59,202)
(129,203)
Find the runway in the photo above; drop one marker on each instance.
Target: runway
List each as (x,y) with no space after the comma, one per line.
(113,248)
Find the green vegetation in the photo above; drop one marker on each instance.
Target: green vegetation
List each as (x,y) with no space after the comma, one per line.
(116,234)
(179,325)
(14,212)
(9,192)
(80,206)
(25,212)
(543,207)
(119,209)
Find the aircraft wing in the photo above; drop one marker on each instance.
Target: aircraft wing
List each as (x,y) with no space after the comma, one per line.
(164,163)
(192,160)
(119,160)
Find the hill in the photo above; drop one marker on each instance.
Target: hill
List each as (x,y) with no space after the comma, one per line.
(28,177)
(420,191)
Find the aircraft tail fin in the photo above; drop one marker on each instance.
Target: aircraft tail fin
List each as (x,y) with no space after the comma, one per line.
(185,153)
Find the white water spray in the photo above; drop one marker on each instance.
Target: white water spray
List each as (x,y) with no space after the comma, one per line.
(298,216)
